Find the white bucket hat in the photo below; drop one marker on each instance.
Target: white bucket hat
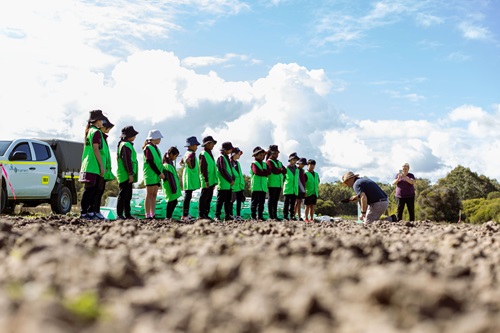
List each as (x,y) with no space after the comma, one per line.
(154,134)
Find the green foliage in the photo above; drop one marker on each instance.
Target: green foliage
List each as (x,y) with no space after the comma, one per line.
(325,207)
(111,190)
(468,184)
(482,210)
(85,306)
(493,195)
(330,195)
(439,203)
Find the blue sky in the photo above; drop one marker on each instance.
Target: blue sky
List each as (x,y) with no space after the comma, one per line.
(358,85)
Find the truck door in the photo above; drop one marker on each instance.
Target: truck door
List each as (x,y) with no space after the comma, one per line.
(22,175)
(45,165)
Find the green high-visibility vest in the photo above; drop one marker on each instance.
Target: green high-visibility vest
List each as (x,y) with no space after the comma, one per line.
(276,180)
(222,183)
(169,195)
(121,173)
(312,183)
(239,180)
(190,177)
(106,159)
(211,169)
(258,183)
(291,182)
(89,160)
(150,177)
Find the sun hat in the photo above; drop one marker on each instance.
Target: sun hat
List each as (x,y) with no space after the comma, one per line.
(257,150)
(154,134)
(302,161)
(106,123)
(236,151)
(128,132)
(208,139)
(227,146)
(293,156)
(311,161)
(348,175)
(191,141)
(96,115)
(274,148)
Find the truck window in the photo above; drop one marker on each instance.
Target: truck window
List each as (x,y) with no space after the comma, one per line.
(24,147)
(42,152)
(3,146)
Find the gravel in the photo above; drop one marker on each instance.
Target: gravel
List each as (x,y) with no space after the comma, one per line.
(63,274)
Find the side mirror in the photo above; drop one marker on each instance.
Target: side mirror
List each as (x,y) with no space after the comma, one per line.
(18,156)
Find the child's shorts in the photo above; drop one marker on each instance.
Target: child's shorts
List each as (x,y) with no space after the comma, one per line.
(301,195)
(310,200)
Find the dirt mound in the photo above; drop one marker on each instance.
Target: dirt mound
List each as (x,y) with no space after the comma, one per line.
(70,275)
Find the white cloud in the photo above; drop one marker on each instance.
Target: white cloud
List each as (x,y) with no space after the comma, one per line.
(474,31)
(457,57)
(194,62)
(427,20)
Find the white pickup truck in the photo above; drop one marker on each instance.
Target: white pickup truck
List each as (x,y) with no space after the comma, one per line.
(39,171)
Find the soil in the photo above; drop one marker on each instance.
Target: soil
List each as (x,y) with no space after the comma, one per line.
(63,274)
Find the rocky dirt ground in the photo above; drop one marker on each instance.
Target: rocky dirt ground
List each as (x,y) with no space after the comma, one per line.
(63,274)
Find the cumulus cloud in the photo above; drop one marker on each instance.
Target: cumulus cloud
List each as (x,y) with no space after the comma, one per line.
(474,31)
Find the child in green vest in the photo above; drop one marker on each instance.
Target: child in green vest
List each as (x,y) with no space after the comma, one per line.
(312,185)
(92,169)
(258,175)
(275,180)
(153,171)
(239,183)
(291,186)
(302,188)
(225,182)
(108,174)
(127,173)
(208,177)
(170,184)
(190,176)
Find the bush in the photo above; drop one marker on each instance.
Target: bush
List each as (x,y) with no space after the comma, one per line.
(439,203)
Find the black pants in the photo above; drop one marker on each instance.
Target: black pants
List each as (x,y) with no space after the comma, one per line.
(90,192)
(101,185)
(239,197)
(224,199)
(272,202)
(257,204)
(188,194)
(124,197)
(410,204)
(205,201)
(170,208)
(289,205)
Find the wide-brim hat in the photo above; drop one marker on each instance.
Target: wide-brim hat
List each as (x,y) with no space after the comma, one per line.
(302,161)
(191,141)
(208,139)
(128,132)
(348,175)
(154,134)
(293,156)
(96,115)
(227,146)
(257,150)
(236,151)
(106,123)
(274,148)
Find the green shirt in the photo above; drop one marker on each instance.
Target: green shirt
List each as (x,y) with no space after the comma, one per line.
(211,169)
(222,183)
(89,159)
(106,159)
(312,183)
(122,174)
(150,177)
(190,177)
(291,182)
(258,183)
(239,180)
(169,195)
(276,180)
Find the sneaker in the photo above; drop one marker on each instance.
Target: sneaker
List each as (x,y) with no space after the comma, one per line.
(394,218)
(229,218)
(238,219)
(187,219)
(84,216)
(99,216)
(91,216)
(301,219)
(217,219)
(121,218)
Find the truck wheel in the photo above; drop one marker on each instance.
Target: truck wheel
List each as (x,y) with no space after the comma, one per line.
(61,202)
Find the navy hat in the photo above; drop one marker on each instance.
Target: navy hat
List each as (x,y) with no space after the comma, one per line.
(96,115)
(107,124)
(128,132)
(227,146)
(236,151)
(273,148)
(191,141)
(208,139)
(257,150)
(302,161)
(311,162)
(292,156)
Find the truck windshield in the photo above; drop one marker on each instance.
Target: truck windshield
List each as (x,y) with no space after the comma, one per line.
(3,146)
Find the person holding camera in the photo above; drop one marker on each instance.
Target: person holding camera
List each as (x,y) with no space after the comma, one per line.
(405,192)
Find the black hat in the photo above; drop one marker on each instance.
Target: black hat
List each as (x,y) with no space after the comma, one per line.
(107,124)
(191,141)
(311,162)
(302,161)
(128,132)
(236,151)
(96,115)
(227,146)
(274,148)
(208,139)
(292,156)
(257,150)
